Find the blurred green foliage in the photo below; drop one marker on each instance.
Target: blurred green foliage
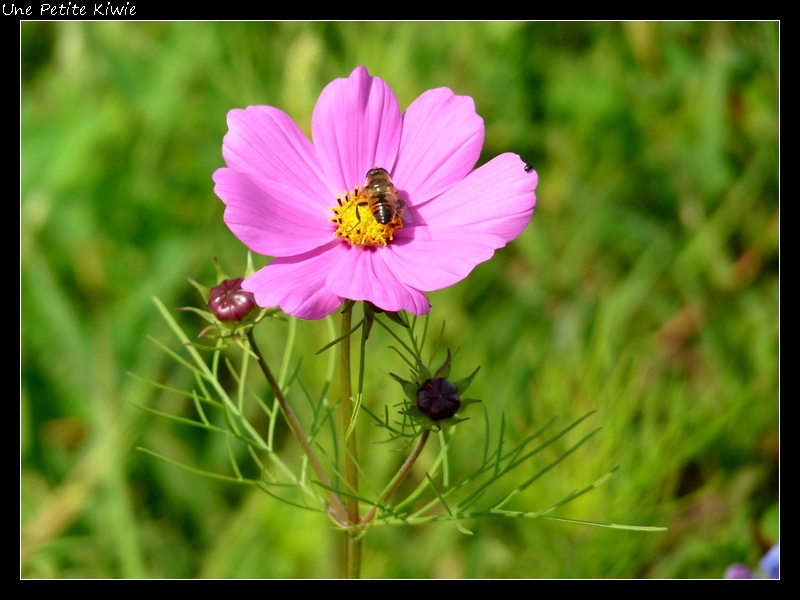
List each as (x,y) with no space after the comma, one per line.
(646,288)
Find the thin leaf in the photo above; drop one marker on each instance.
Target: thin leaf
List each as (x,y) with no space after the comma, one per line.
(340,338)
(199,471)
(458,525)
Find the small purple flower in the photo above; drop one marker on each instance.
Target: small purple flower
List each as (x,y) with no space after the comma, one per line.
(229,302)
(770,564)
(739,571)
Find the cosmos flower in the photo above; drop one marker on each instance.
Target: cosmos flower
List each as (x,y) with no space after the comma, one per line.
(382,207)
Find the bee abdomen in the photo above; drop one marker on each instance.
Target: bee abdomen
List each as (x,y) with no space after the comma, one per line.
(383,212)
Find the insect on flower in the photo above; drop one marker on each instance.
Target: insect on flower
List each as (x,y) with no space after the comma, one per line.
(379,195)
(382,197)
(373,213)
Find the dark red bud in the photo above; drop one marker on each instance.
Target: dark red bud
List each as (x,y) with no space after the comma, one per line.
(229,302)
(437,399)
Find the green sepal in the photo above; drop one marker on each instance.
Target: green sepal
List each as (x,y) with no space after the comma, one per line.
(221,275)
(444,370)
(397,318)
(370,310)
(467,401)
(463,384)
(225,328)
(426,422)
(409,387)
(249,269)
(205,292)
(424,374)
(369,319)
(203,313)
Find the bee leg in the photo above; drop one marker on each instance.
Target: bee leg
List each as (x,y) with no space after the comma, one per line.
(358,216)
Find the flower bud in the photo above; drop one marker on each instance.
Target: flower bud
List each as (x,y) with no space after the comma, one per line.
(229,302)
(438,399)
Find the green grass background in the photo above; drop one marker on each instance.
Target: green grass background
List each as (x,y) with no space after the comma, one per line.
(646,288)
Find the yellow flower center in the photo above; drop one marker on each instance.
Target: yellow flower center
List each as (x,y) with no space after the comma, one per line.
(355,217)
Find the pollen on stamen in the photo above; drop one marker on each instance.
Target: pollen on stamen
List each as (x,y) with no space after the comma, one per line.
(357,225)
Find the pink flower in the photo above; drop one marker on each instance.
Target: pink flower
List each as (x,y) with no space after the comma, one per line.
(280,193)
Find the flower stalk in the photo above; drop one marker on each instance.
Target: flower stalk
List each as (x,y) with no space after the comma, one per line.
(400,476)
(353,543)
(339,512)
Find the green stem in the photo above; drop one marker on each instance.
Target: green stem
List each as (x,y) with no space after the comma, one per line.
(338,510)
(401,474)
(352,544)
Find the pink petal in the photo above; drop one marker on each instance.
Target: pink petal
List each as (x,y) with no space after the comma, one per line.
(442,261)
(356,126)
(497,198)
(442,141)
(270,218)
(264,143)
(362,274)
(296,285)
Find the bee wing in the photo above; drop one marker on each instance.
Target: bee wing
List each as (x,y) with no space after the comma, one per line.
(402,209)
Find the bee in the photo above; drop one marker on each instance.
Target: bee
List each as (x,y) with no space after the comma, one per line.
(380,196)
